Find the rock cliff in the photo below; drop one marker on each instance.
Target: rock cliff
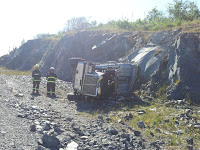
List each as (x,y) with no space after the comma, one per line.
(163,58)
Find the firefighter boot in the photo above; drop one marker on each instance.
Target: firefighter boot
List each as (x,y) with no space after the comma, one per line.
(54,95)
(37,92)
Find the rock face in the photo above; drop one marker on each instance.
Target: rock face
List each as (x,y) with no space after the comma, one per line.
(184,66)
(168,57)
(91,46)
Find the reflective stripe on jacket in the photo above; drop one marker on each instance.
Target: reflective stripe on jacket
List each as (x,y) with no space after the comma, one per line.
(51,77)
(36,75)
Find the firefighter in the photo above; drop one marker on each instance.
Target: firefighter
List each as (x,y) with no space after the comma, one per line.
(51,82)
(36,76)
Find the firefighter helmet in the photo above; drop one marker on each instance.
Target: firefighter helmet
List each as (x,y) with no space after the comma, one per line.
(52,68)
(36,66)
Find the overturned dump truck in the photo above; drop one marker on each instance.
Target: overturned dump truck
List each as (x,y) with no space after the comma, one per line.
(102,80)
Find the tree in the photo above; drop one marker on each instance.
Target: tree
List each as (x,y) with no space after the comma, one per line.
(154,15)
(38,36)
(193,12)
(79,23)
(177,10)
(23,41)
(124,24)
(183,10)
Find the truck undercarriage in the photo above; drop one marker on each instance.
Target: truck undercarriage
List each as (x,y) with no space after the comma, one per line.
(102,80)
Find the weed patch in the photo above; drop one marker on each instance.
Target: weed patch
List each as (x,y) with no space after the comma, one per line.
(6,71)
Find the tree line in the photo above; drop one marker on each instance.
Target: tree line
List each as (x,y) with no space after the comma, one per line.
(178,11)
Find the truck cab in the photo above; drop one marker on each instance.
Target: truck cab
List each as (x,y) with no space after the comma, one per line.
(102,80)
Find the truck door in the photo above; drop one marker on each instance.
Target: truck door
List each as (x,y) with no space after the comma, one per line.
(79,76)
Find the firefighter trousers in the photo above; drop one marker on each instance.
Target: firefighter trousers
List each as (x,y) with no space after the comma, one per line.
(51,88)
(36,85)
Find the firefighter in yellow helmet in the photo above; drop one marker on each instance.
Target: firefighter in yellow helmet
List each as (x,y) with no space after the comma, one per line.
(36,76)
(51,82)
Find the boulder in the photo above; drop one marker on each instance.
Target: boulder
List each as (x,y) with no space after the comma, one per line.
(141,124)
(126,136)
(100,117)
(189,140)
(32,128)
(40,147)
(46,126)
(137,133)
(51,142)
(72,146)
(112,131)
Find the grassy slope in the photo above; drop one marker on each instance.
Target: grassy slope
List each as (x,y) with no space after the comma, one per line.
(188,27)
(156,128)
(154,121)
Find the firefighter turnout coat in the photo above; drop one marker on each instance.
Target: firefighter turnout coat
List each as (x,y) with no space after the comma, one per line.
(51,83)
(36,76)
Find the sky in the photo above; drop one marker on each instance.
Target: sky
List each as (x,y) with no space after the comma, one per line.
(24,19)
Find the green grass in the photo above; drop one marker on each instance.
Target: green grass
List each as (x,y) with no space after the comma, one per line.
(161,93)
(153,26)
(108,29)
(54,38)
(92,114)
(191,27)
(155,120)
(6,71)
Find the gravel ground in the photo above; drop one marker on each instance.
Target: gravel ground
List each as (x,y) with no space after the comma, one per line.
(39,122)
(14,131)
